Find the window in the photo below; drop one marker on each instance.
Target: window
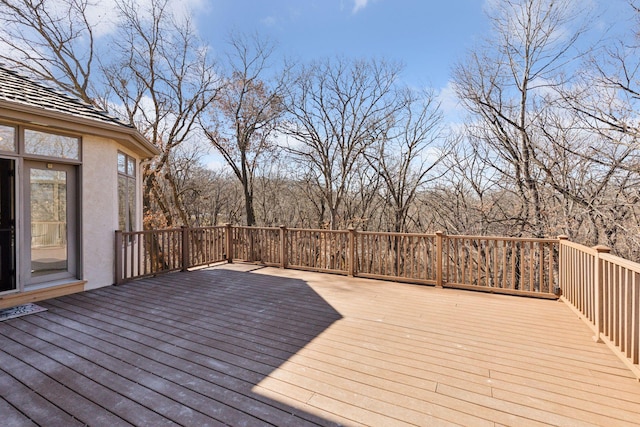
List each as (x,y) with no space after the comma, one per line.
(126,192)
(51,145)
(7,138)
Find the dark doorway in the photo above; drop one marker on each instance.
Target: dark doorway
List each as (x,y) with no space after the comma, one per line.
(7,226)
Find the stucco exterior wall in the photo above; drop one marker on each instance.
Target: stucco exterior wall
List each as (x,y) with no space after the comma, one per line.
(99,212)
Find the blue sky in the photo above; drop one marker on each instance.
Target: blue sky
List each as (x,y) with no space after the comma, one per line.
(426,36)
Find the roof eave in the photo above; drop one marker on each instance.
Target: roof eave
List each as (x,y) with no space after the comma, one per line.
(129,136)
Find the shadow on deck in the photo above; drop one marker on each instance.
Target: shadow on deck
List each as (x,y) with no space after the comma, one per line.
(242,345)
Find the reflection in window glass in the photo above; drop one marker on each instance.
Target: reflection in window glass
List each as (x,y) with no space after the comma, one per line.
(131,166)
(122,203)
(131,204)
(7,138)
(122,163)
(126,192)
(51,145)
(49,251)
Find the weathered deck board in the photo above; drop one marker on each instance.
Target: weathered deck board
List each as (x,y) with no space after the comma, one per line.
(282,347)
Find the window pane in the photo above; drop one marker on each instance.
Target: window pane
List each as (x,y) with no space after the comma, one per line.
(7,138)
(50,145)
(122,203)
(131,166)
(48,222)
(132,203)
(122,163)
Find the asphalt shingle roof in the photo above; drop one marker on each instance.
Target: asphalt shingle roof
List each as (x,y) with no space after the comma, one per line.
(20,89)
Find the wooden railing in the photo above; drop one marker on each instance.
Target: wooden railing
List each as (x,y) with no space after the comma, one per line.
(147,253)
(397,256)
(48,234)
(604,290)
(495,264)
(326,251)
(601,288)
(503,264)
(255,244)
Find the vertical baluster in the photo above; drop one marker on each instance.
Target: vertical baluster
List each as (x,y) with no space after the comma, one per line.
(142,252)
(478,261)
(504,264)
(617,304)
(456,261)
(550,276)
(635,319)
(539,276)
(153,267)
(626,316)
(148,249)
(463,261)
(408,257)
(487,255)
(471,261)
(523,266)
(531,266)
(125,256)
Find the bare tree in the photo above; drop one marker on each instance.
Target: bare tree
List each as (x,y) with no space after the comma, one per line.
(503,85)
(408,152)
(363,204)
(243,120)
(337,109)
(593,156)
(163,80)
(53,41)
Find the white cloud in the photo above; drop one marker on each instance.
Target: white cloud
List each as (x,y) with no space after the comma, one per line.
(359,5)
(269,21)
(450,104)
(104,20)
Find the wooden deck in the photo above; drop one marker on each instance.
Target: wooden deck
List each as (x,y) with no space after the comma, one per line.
(229,346)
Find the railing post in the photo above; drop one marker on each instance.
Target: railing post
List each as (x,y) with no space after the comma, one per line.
(283,246)
(185,248)
(119,256)
(598,289)
(228,235)
(439,257)
(352,251)
(561,266)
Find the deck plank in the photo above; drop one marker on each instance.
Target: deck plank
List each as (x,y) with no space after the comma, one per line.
(206,383)
(58,394)
(246,345)
(12,417)
(126,380)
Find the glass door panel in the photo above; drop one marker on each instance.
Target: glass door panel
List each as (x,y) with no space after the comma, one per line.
(50,213)
(49,249)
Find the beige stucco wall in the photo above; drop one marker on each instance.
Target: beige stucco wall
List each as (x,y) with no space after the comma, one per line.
(99,217)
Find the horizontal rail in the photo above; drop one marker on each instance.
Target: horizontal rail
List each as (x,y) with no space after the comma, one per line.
(502,238)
